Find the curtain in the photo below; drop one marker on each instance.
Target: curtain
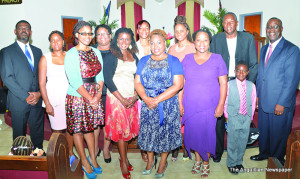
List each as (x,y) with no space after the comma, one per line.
(123,16)
(138,16)
(181,9)
(197,15)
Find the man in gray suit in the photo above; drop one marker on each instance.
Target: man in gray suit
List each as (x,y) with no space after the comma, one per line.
(19,71)
(234,46)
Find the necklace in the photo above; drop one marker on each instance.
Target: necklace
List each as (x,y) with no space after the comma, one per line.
(179,49)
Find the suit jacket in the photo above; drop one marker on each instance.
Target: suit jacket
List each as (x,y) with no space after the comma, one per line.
(278,81)
(18,76)
(245,51)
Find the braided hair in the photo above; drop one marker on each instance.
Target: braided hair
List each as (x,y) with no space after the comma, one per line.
(115,50)
(76,29)
(60,34)
(182,20)
(22,146)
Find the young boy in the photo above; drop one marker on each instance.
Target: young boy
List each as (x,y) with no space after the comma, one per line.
(238,110)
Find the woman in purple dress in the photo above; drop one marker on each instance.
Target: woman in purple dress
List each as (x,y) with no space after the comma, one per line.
(204,95)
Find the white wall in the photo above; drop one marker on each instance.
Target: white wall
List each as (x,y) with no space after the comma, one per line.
(45,16)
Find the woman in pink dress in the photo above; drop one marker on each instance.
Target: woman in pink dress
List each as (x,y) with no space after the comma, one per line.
(183,46)
(54,84)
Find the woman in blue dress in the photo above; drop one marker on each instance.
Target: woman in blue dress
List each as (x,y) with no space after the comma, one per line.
(159,77)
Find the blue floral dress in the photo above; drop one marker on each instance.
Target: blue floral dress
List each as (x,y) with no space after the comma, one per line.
(159,127)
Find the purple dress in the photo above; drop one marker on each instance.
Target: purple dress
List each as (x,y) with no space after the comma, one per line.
(201,97)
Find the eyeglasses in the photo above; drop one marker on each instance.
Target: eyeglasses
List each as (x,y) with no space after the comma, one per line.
(103,34)
(241,71)
(273,27)
(86,34)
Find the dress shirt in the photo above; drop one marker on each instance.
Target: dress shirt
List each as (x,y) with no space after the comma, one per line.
(274,44)
(22,46)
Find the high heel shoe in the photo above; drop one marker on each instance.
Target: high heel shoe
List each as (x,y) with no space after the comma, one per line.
(130,167)
(89,175)
(160,175)
(125,175)
(98,154)
(96,170)
(108,160)
(147,172)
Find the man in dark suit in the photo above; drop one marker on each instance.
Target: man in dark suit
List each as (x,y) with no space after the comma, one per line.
(234,46)
(19,72)
(277,81)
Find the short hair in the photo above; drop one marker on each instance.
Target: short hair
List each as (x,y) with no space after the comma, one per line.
(159,32)
(275,18)
(241,63)
(138,26)
(102,26)
(58,33)
(76,29)
(203,29)
(115,50)
(230,13)
(23,21)
(182,20)
(22,146)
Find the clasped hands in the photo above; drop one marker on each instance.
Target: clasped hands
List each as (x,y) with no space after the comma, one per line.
(128,103)
(33,98)
(94,102)
(151,102)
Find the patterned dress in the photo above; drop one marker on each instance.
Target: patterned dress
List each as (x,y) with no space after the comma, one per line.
(155,135)
(80,115)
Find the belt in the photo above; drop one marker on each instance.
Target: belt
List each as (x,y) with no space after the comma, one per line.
(231,78)
(89,80)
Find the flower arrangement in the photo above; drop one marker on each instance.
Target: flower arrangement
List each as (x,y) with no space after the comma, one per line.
(169,38)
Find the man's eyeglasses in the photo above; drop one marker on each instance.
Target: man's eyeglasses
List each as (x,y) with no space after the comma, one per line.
(103,34)
(86,34)
(273,27)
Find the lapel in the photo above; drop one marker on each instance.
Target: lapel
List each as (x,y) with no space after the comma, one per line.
(22,56)
(275,53)
(263,57)
(238,44)
(225,48)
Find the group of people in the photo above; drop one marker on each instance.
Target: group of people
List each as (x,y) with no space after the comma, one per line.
(137,89)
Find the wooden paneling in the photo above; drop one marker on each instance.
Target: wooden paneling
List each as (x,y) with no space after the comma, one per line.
(253,24)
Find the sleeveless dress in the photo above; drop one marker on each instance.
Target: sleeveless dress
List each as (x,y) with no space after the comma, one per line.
(56,86)
(154,135)
(80,115)
(122,123)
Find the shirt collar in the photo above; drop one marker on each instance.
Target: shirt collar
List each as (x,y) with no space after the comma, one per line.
(240,82)
(22,45)
(274,44)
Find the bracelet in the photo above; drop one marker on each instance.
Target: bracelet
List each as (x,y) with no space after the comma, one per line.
(122,100)
(137,96)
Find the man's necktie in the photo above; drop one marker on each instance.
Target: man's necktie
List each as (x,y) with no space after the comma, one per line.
(269,54)
(244,101)
(28,57)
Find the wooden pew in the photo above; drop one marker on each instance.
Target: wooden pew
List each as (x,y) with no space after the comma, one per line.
(56,163)
(291,168)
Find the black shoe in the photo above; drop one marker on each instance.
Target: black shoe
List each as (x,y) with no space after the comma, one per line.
(233,170)
(257,158)
(240,168)
(107,160)
(217,159)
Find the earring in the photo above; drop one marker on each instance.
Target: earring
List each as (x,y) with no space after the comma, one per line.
(118,45)
(130,47)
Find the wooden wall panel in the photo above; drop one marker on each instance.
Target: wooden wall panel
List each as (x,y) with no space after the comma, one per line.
(253,23)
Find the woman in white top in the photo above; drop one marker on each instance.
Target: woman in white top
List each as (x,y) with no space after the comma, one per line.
(54,85)
(143,31)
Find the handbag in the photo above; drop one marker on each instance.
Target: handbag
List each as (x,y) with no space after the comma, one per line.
(253,134)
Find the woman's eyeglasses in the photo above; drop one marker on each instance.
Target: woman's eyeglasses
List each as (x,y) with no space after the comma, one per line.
(86,34)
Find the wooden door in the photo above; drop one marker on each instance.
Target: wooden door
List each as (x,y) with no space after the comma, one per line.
(68,25)
(253,24)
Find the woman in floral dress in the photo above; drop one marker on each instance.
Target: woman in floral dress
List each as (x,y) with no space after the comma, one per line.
(83,66)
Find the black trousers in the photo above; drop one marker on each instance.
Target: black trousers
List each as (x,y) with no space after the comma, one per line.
(35,118)
(220,132)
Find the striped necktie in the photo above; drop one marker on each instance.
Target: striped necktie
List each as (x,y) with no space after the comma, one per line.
(244,100)
(269,54)
(28,57)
